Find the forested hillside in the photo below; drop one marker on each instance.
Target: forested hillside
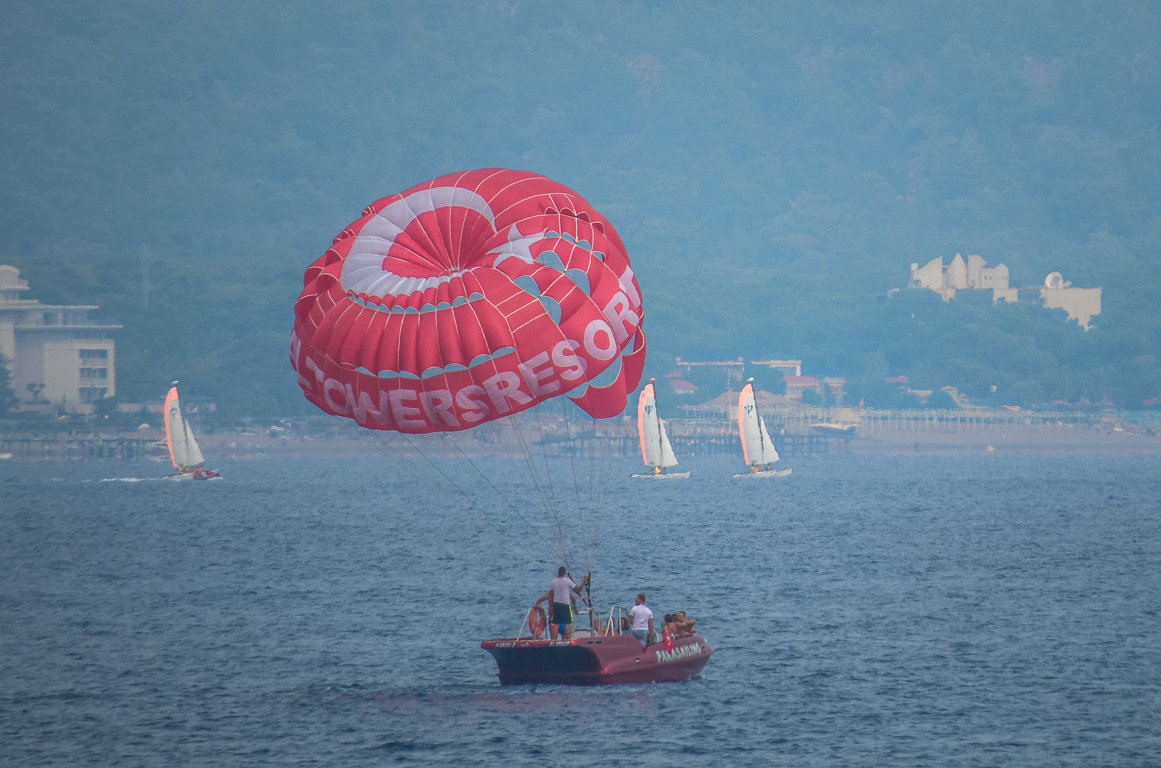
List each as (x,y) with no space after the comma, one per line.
(774,169)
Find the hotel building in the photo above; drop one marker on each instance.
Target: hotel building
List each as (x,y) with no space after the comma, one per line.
(55,354)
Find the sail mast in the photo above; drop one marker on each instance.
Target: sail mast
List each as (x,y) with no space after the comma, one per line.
(763,435)
(662,439)
(768,454)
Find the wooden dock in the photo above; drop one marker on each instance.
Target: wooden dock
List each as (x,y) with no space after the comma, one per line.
(74,447)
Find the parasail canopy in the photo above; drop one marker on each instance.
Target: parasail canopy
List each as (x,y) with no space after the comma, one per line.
(467,298)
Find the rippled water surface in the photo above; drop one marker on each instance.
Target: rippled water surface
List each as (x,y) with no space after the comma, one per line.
(866,611)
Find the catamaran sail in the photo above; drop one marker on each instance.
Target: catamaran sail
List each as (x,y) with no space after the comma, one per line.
(757,447)
(184,453)
(656,449)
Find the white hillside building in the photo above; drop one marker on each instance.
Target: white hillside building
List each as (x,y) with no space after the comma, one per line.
(974,274)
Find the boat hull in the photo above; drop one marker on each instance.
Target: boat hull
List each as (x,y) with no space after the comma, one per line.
(602,660)
(768,473)
(844,430)
(664,476)
(207,475)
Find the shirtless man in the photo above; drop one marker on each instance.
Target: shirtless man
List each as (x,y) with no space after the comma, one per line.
(684,626)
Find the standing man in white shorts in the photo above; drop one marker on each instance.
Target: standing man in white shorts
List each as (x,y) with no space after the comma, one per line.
(642,620)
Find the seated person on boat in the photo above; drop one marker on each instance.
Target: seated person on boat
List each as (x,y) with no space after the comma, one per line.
(681,626)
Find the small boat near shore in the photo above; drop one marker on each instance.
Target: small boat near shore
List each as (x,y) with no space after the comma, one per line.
(840,428)
(596,657)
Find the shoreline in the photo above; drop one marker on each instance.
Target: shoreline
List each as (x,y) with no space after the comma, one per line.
(1046,439)
(1038,440)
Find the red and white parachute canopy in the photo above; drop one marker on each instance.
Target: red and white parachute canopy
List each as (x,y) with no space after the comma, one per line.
(467,298)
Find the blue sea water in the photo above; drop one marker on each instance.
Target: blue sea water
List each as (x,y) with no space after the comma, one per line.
(866,611)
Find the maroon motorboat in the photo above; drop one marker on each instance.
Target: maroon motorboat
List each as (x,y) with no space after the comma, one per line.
(596,657)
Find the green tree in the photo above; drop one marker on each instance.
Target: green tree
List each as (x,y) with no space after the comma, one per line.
(8,399)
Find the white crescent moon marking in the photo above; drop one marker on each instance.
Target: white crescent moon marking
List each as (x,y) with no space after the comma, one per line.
(363,268)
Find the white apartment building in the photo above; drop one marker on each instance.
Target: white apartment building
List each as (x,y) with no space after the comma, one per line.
(55,354)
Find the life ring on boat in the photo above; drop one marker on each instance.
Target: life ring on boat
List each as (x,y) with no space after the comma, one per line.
(536,621)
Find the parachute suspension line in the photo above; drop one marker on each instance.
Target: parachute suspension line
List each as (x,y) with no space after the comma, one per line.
(471,503)
(600,465)
(487,478)
(576,484)
(551,508)
(520,441)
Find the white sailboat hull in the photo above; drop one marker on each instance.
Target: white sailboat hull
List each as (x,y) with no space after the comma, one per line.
(209,475)
(664,476)
(768,473)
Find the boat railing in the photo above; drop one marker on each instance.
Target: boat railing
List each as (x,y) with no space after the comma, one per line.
(618,616)
(526,624)
(597,628)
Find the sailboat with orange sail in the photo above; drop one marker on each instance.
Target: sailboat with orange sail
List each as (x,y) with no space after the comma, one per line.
(656,449)
(757,448)
(184,452)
